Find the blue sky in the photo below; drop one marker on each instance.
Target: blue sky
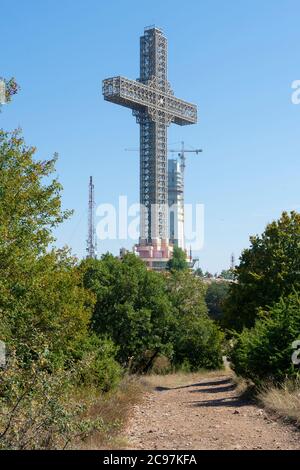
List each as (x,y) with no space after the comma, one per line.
(235,60)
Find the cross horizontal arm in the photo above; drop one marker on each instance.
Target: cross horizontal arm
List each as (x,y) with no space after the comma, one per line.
(139,96)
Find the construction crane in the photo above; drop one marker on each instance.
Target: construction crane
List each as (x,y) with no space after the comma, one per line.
(181,154)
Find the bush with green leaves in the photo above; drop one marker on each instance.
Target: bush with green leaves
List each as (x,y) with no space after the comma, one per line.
(216,294)
(264,352)
(43,303)
(98,365)
(149,314)
(268,270)
(132,308)
(178,262)
(45,310)
(65,325)
(197,340)
(39,409)
(199,343)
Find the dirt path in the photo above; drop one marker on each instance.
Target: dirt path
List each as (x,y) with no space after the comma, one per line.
(206,413)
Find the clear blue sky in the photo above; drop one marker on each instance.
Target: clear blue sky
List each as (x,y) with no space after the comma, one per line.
(235,60)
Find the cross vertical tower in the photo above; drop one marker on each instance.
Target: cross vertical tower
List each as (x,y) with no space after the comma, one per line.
(153,141)
(155,107)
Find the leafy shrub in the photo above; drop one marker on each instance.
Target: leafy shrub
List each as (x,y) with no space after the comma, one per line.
(268,270)
(45,311)
(196,339)
(132,308)
(178,262)
(149,314)
(98,366)
(265,351)
(215,295)
(37,409)
(199,344)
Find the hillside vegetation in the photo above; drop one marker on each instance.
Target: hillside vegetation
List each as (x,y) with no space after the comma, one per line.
(73,330)
(76,331)
(262,315)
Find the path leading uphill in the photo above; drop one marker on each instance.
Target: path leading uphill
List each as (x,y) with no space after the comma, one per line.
(204,412)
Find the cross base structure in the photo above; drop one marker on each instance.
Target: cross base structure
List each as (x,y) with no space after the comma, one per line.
(156,254)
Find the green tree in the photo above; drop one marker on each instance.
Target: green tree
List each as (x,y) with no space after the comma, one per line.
(199,272)
(132,308)
(45,311)
(41,301)
(29,208)
(178,262)
(198,344)
(44,307)
(208,275)
(264,352)
(228,274)
(196,339)
(149,314)
(268,270)
(10,88)
(187,293)
(216,293)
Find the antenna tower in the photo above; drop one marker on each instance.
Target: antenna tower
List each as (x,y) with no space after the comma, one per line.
(91,241)
(232,262)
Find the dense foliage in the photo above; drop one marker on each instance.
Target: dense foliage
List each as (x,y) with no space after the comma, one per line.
(45,310)
(216,294)
(268,270)
(228,274)
(132,307)
(264,352)
(197,341)
(148,314)
(198,272)
(178,262)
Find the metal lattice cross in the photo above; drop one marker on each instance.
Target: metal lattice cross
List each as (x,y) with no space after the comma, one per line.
(155,107)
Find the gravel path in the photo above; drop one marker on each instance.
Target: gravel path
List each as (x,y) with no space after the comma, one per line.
(205,414)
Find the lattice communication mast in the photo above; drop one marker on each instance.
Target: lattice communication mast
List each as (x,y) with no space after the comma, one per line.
(91,241)
(232,262)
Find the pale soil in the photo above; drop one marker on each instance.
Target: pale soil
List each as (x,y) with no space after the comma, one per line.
(199,411)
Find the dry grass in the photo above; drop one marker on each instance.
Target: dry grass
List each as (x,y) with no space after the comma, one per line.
(114,410)
(243,387)
(284,401)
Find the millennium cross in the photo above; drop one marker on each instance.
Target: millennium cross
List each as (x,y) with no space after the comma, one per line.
(155,107)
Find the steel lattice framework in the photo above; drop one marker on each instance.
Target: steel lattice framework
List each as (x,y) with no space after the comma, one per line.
(155,107)
(91,241)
